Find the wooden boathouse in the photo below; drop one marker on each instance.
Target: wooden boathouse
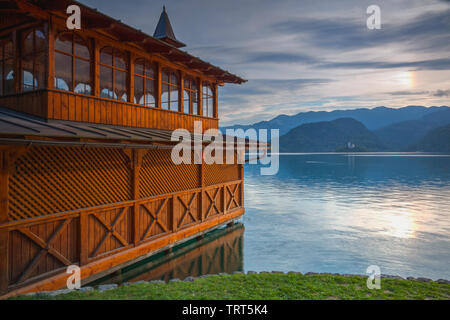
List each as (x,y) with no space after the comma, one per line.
(86,116)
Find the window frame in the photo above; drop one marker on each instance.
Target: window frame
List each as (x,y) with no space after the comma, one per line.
(151,65)
(114,68)
(34,54)
(170,72)
(3,59)
(191,80)
(74,57)
(206,97)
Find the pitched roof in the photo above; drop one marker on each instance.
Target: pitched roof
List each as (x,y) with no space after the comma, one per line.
(94,19)
(165,32)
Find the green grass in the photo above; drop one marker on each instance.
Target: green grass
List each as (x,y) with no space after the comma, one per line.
(268,286)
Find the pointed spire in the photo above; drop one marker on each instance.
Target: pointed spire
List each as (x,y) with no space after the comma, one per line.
(165,32)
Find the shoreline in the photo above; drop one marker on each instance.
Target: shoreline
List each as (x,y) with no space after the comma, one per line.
(327,279)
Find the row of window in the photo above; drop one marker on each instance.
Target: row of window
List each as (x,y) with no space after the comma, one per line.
(33,62)
(73,72)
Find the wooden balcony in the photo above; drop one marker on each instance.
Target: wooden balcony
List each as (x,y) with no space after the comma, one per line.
(65,105)
(102,237)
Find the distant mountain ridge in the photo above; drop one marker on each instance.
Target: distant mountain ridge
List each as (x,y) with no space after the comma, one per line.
(436,140)
(373,119)
(402,135)
(330,136)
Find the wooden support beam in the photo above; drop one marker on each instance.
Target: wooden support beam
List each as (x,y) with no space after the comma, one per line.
(96,69)
(51,54)
(8,156)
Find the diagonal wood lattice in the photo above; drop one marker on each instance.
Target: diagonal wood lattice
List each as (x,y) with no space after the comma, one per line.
(159,175)
(219,173)
(50,180)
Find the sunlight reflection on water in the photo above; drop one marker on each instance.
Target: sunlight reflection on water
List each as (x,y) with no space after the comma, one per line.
(342,213)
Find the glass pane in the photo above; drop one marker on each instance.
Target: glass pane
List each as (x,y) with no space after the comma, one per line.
(40,64)
(186,101)
(139,90)
(194,101)
(139,67)
(106,56)
(165,96)
(9,50)
(173,79)
(81,49)
(106,82)
(64,43)
(63,71)
(205,107)
(41,41)
(27,73)
(120,60)
(174,98)
(149,71)
(9,76)
(28,44)
(82,76)
(120,85)
(149,100)
(165,76)
(210,108)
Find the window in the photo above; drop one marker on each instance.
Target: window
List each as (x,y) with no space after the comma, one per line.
(6,67)
(144,83)
(190,96)
(72,64)
(208,100)
(169,90)
(113,74)
(34,59)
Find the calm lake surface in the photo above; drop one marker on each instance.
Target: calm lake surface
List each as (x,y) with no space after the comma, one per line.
(342,213)
(337,213)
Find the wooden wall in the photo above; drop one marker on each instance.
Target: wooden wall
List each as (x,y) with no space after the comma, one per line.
(65,105)
(59,206)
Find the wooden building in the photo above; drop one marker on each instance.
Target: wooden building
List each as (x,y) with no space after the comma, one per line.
(86,115)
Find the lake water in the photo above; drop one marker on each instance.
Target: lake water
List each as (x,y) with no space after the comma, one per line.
(342,213)
(337,213)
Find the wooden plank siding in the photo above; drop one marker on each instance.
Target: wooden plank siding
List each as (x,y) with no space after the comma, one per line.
(66,105)
(80,224)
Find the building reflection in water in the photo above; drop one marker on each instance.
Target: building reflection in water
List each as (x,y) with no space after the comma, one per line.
(220,251)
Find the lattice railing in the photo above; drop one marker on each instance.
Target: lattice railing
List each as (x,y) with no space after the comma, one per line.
(49,180)
(45,245)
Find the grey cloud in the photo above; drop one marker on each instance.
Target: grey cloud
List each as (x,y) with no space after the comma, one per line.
(280,57)
(442,93)
(427,32)
(433,64)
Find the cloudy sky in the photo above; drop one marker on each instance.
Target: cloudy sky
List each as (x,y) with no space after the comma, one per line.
(306,55)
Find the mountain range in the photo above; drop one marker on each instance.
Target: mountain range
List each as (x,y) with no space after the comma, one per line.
(412,128)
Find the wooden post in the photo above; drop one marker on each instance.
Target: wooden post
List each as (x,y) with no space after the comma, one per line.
(51,54)
(173,208)
(158,85)
(96,69)
(216,103)
(181,93)
(137,156)
(18,61)
(84,239)
(4,181)
(8,156)
(131,79)
(200,97)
